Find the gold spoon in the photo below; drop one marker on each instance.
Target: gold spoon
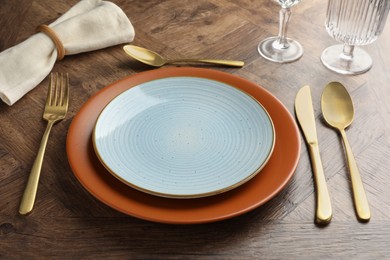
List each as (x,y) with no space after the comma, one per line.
(154,59)
(337,109)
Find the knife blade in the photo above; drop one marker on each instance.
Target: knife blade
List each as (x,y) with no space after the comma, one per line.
(305,115)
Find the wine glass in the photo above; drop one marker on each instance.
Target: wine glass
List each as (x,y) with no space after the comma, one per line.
(353,23)
(280,48)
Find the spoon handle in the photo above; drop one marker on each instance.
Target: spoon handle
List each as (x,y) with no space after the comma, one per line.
(324,207)
(359,195)
(232,63)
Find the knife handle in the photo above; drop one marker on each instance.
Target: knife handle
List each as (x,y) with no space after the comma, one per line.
(324,208)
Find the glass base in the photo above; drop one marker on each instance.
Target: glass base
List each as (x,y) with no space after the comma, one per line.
(271,50)
(333,58)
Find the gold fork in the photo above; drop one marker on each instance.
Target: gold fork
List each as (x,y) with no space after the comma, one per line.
(55,110)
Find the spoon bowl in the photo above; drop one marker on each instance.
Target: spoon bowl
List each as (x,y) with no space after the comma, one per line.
(156,60)
(337,106)
(338,112)
(144,55)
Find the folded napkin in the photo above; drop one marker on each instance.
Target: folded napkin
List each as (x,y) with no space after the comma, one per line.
(87,26)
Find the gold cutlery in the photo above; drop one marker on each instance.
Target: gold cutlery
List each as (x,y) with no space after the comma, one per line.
(55,110)
(305,114)
(338,111)
(154,59)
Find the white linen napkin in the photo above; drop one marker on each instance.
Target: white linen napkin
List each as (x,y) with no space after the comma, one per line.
(87,26)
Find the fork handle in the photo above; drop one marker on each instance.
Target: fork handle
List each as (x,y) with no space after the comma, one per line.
(30,191)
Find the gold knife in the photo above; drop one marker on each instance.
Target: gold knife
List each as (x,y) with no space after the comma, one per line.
(305,114)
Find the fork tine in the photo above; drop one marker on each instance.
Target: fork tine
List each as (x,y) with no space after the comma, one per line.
(66,91)
(57,89)
(51,89)
(63,90)
(58,93)
(61,86)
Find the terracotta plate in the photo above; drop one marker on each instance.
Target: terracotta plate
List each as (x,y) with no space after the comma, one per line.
(108,189)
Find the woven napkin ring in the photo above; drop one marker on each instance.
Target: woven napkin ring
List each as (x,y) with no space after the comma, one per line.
(54,37)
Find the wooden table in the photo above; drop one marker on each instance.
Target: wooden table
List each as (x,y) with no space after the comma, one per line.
(68,222)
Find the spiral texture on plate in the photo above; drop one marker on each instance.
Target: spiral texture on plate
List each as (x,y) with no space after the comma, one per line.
(184,137)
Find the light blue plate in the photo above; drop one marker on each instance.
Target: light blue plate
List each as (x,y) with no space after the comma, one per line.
(184,137)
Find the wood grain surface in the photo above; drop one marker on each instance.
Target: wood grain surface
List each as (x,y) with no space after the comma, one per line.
(67,222)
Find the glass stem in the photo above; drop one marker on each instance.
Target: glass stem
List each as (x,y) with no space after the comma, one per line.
(284,17)
(347,53)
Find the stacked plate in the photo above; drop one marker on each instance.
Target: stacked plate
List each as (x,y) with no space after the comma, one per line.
(183,145)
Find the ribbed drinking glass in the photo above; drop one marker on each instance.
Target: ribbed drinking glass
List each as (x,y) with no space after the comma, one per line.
(353,23)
